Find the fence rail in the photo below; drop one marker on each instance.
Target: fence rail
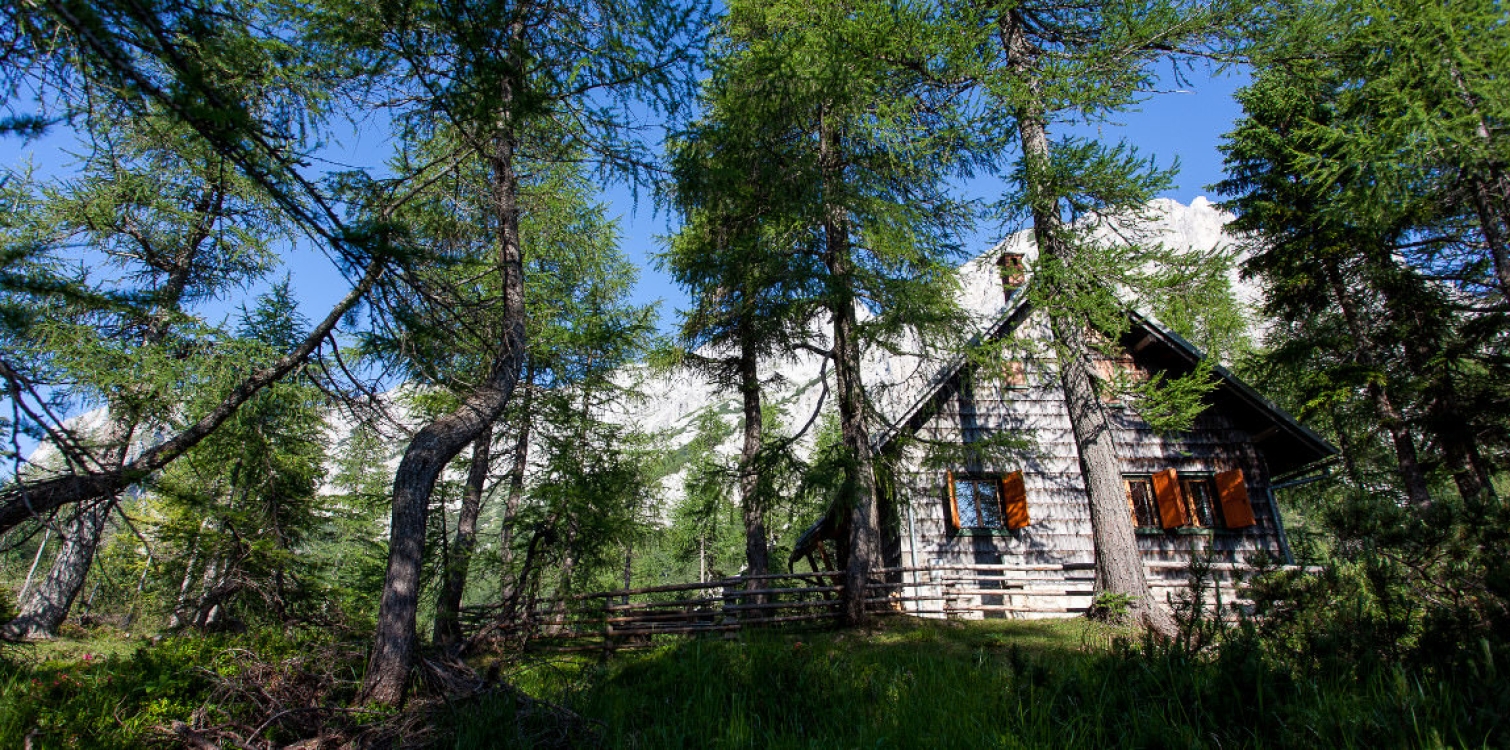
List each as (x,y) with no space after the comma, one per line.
(629,617)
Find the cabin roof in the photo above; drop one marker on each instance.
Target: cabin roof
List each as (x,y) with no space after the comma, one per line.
(1288,446)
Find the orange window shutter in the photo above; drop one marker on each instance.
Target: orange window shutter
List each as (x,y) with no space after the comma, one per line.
(1014,500)
(1166,491)
(953,510)
(1233,491)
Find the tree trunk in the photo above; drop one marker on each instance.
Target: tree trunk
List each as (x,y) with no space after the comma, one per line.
(516,486)
(1408,461)
(1490,186)
(448,602)
(437,443)
(31,573)
(858,492)
(1119,565)
(751,496)
(47,606)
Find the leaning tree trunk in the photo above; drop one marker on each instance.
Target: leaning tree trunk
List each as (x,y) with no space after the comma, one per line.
(858,493)
(47,606)
(1407,460)
(438,442)
(1119,565)
(448,602)
(751,500)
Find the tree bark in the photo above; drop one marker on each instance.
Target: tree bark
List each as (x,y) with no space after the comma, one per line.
(858,492)
(751,496)
(448,602)
(48,605)
(515,496)
(1119,565)
(438,442)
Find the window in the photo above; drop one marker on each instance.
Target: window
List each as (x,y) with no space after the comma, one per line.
(984,503)
(1166,500)
(1014,374)
(978,505)
(1116,376)
(1200,501)
(1140,499)
(1013,273)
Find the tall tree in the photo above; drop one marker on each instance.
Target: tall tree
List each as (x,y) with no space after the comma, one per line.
(180,227)
(753,298)
(1372,270)
(491,71)
(848,108)
(232,83)
(1040,65)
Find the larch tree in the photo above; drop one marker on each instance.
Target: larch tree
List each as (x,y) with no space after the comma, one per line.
(753,299)
(1385,282)
(1042,65)
(232,82)
(846,93)
(180,226)
(489,71)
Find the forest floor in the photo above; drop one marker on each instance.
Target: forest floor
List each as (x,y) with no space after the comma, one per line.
(902,684)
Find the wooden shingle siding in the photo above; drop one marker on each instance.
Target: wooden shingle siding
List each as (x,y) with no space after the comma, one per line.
(970,409)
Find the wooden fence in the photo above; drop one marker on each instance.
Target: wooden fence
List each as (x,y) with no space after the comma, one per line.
(631,617)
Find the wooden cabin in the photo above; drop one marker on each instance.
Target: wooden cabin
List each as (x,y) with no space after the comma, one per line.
(968,524)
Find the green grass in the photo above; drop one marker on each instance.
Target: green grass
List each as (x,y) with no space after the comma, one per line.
(102,690)
(962,685)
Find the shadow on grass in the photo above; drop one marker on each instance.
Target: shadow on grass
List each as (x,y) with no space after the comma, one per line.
(931,684)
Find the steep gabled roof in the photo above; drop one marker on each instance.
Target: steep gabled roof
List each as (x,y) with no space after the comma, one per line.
(1288,446)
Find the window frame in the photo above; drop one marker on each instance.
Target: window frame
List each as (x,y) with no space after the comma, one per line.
(1149,500)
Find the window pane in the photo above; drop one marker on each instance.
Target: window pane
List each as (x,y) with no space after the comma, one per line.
(1145,510)
(964,497)
(1202,502)
(990,507)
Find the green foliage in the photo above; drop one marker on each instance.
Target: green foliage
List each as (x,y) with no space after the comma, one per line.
(234,513)
(1017,684)
(130,697)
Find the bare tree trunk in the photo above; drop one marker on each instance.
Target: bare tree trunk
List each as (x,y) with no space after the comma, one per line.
(36,560)
(448,602)
(438,442)
(858,493)
(628,569)
(181,604)
(751,498)
(516,485)
(48,605)
(1119,565)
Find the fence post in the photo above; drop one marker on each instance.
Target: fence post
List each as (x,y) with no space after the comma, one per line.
(608,640)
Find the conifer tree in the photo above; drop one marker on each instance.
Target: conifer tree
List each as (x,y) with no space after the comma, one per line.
(493,71)
(753,298)
(1042,65)
(846,107)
